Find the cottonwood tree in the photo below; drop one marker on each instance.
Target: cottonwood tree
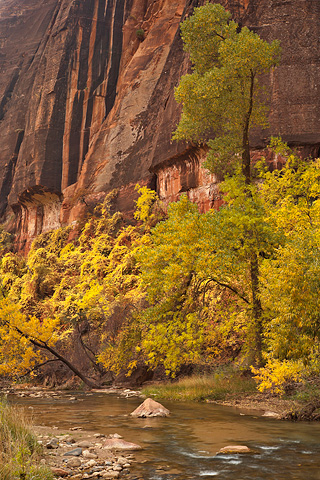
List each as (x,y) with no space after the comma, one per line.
(27,343)
(290,281)
(222,101)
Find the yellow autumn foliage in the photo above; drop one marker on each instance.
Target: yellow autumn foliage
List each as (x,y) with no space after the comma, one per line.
(18,353)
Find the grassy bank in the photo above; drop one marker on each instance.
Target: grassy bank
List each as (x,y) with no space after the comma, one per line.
(19,449)
(217,386)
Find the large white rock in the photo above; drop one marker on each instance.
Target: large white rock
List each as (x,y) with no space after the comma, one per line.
(150,408)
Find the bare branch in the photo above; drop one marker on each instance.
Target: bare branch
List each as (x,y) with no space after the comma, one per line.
(229,287)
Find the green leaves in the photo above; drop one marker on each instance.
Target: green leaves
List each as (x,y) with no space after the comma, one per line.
(222,99)
(203,33)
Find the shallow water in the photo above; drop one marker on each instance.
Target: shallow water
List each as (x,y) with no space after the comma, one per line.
(184,445)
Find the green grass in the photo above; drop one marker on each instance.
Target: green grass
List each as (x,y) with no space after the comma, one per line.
(19,449)
(307,391)
(218,386)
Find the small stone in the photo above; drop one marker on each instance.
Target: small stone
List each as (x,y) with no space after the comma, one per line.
(99,435)
(122,460)
(91,463)
(96,468)
(84,444)
(126,465)
(235,449)
(88,454)
(117,468)
(76,452)
(115,435)
(53,443)
(111,475)
(59,472)
(150,408)
(74,462)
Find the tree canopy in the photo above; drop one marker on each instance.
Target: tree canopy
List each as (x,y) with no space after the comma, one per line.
(223,99)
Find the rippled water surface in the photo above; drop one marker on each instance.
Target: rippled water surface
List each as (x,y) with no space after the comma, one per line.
(184,445)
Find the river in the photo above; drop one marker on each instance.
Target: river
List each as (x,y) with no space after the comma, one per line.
(184,445)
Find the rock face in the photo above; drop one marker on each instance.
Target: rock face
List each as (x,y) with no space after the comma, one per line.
(150,408)
(86,106)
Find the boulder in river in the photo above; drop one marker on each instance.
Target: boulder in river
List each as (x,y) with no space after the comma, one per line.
(119,444)
(231,449)
(150,408)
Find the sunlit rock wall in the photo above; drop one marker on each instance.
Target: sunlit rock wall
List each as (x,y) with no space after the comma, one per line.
(86,106)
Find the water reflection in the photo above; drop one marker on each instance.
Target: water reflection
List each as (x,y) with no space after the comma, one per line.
(184,446)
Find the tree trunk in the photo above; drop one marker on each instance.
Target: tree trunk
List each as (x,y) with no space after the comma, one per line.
(254,261)
(256,309)
(43,345)
(246,160)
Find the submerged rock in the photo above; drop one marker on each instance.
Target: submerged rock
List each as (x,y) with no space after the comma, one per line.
(150,408)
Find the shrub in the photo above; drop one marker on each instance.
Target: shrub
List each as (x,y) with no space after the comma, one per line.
(19,449)
(140,34)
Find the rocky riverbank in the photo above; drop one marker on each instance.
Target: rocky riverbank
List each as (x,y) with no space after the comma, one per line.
(76,454)
(262,404)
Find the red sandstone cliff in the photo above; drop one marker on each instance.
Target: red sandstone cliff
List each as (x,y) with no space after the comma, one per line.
(85,106)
